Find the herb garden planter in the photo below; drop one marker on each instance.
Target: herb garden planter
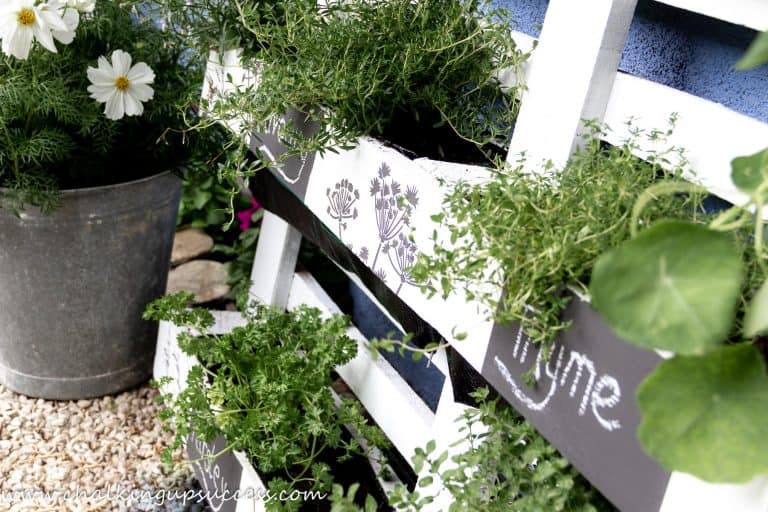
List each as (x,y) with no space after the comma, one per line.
(74,284)
(228,477)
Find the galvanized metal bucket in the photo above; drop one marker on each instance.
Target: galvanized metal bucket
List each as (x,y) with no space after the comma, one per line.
(74,284)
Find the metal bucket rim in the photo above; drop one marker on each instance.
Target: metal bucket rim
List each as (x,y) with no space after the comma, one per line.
(122,184)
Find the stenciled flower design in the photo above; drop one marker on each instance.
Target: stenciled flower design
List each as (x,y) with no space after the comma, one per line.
(363,254)
(393,207)
(121,87)
(342,201)
(401,253)
(22,22)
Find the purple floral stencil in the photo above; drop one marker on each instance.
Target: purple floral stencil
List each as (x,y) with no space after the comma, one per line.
(342,200)
(402,255)
(393,207)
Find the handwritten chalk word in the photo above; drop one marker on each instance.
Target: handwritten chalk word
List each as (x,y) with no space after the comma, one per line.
(598,393)
(210,473)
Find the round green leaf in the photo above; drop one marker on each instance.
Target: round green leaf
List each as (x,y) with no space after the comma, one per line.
(708,415)
(756,316)
(749,172)
(673,287)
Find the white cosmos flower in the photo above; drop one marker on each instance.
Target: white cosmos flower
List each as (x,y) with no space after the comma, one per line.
(69,15)
(22,22)
(121,87)
(82,5)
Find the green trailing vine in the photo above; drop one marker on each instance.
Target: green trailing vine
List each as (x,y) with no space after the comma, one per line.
(537,237)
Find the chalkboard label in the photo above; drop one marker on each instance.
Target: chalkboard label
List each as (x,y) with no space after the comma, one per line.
(583,402)
(219,477)
(294,170)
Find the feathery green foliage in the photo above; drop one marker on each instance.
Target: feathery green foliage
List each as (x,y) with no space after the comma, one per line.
(266,388)
(53,135)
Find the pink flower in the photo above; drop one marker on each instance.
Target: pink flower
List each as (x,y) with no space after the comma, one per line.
(245,216)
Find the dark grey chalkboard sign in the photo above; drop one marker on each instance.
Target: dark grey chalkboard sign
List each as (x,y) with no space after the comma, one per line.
(219,477)
(584,403)
(294,170)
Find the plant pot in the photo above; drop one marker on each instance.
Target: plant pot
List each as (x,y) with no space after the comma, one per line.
(229,480)
(74,284)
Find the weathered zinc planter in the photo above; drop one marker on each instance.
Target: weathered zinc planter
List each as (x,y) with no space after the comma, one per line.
(74,284)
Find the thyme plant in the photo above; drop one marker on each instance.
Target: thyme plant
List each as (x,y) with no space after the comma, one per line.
(507,466)
(537,237)
(53,133)
(364,67)
(358,67)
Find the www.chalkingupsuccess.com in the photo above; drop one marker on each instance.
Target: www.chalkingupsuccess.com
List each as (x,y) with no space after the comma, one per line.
(119,494)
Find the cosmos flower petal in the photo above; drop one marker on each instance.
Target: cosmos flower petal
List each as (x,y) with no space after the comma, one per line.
(71,20)
(101,76)
(50,19)
(18,43)
(101,93)
(141,74)
(133,106)
(44,37)
(121,62)
(142,92)
(115,106)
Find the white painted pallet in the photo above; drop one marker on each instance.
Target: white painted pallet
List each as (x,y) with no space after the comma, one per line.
(374,381)
(580,46)
(749,13)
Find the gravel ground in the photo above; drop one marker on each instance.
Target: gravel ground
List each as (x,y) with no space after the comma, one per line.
(87,455)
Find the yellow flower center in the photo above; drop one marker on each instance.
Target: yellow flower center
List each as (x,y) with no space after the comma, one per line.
(122,83)
(26,17)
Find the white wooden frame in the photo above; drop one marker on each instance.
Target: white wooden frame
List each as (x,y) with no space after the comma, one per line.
(572,76)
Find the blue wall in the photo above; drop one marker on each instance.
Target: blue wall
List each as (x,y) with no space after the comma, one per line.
(679,49)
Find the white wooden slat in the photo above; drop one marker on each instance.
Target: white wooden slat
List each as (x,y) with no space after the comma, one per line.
(446,435)
(252,488)
(749,13)
(275,261)
(392,403)
(685,492)
(711,134)
(570,77)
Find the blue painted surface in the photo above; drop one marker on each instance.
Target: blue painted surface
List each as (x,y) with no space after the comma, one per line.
(425,379)
(680,49)
(528,15)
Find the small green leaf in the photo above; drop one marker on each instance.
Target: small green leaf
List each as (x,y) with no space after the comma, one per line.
(708,415)
(756,316)
(748,173)
(757,54)
(673,287)
(426,481)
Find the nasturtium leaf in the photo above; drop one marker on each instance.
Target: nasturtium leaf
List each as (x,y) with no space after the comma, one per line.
(673,287)
(749,172)
(757,53)
(708,415)
(756,316)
